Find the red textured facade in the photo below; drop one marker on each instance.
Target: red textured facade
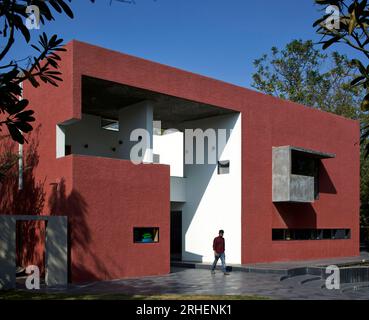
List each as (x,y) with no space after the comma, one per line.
(105,198)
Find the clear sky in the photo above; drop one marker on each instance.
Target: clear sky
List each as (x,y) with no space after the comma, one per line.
(216,38)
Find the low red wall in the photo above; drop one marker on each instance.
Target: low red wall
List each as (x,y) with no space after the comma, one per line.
(109,198)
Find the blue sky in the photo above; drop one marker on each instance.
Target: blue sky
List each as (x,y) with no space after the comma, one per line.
(216,38)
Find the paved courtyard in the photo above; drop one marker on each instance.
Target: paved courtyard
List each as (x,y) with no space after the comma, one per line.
(202,282)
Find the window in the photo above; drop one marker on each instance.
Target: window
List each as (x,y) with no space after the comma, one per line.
(223,167)
(156,158)
(109,124)
(310,234)
(146,235)
(306,166)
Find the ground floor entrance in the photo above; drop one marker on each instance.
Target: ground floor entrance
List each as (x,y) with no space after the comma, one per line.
(176,235)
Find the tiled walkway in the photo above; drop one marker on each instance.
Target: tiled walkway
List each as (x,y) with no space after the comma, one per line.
(282,267)
(201,281)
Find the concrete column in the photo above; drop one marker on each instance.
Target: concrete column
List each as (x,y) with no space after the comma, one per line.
(60,141)
(137,116)
(7,252)
(56,251)
(281,169)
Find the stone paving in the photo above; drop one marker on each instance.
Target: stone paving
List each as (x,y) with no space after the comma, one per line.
(202,282)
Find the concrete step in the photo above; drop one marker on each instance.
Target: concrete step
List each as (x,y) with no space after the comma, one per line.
(301,279)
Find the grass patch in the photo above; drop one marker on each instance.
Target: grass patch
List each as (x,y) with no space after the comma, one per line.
(27,295)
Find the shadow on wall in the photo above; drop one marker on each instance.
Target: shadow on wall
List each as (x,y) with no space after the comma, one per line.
(193,257)
(28,201)
(31,199)
(325,183)
(297,215)
(7,253)
(303,215)
(79,234)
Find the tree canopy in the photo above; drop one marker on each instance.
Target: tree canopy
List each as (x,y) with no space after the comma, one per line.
(302,73)
(347,22)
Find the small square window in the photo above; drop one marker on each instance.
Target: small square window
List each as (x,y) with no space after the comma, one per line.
(109,124)
(145,235)
(156,158)
(223,167)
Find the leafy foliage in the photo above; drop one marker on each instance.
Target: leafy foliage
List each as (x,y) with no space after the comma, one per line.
(301,73)
(42,67)
(353,30)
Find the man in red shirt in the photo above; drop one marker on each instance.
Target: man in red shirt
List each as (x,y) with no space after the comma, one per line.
(219,248)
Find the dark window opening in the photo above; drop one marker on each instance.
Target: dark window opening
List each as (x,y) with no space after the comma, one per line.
(68,149)
(306,166)
(310,234)
(145,235)
(176,235)
(109,124)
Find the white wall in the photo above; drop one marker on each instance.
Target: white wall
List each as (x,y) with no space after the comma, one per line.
(137,116)
(214,201)
(169,147)
(178,189)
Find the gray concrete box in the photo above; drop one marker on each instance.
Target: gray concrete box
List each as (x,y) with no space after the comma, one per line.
(288,187)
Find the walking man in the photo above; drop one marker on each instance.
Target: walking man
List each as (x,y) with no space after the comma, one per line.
(219,248)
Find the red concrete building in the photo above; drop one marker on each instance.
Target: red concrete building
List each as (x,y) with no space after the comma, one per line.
(284,186)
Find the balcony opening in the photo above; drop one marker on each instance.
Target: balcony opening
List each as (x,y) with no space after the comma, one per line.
(296,174)
(305,165)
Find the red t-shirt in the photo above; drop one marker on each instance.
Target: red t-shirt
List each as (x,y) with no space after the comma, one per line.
(219,244)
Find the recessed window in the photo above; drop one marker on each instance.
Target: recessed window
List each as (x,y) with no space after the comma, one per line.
(146,235)
(223,167)
(310,234)
(109,124)
(306,166)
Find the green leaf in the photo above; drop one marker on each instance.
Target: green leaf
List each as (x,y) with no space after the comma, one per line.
(360,66)
(352,23)
(328,43)
(357,80)
(365,103)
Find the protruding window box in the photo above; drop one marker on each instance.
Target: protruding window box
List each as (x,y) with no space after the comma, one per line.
(296,174)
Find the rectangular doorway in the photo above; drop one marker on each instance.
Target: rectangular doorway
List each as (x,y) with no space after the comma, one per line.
(176,235)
